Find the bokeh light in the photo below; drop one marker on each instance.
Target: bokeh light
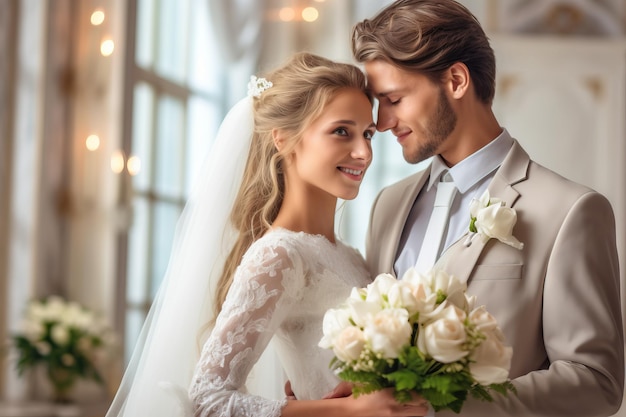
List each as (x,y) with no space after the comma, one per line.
(310,14)
(97,17)
(117,162)
(106,47)
(92,142)
(286,14)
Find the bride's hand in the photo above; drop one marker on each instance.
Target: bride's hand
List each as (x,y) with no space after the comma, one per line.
(289,392)
(343,389)
(383,403)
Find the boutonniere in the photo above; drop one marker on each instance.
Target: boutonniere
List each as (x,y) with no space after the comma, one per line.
(490,218)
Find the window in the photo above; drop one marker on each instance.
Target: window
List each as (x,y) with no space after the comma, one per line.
(176,108)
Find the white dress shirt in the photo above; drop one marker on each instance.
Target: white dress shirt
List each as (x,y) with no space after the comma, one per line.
(471,177)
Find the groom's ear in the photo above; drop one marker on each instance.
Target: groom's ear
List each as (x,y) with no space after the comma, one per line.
(458,79)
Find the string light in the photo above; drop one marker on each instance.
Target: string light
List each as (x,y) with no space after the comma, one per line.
(133,165)
(106,47)
(92,142)
(310,14)
(97,17)
(117,162)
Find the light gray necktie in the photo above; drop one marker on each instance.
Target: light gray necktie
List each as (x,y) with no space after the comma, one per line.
(437,225)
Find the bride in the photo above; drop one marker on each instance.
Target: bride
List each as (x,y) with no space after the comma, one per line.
(305,133)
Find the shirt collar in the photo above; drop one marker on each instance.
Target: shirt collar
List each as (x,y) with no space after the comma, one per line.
(475,167)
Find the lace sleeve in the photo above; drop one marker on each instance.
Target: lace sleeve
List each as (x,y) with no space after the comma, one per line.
(265,287)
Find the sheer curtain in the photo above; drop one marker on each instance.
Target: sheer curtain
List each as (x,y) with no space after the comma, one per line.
(239,27)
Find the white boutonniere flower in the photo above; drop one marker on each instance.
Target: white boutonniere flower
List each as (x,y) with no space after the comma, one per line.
(490,218)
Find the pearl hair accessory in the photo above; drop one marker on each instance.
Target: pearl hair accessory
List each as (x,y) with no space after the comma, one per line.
(257,85)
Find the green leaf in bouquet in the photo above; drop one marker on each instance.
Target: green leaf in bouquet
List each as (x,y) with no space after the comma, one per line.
(364,382)
(504,388)
(483,393)
(480,392)
(402,396)
(411,358)
(446,390)
(403,379)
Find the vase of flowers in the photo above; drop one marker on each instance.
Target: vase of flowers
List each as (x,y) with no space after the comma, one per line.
(65,339)
(419,334)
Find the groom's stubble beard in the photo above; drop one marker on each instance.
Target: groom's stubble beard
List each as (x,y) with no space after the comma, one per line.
(437,130)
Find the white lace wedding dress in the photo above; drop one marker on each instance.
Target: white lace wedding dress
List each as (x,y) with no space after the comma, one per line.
(284,285)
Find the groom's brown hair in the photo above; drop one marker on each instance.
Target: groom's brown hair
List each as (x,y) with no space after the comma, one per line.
(427,37)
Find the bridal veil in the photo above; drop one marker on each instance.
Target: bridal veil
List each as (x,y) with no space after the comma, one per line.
(156,380)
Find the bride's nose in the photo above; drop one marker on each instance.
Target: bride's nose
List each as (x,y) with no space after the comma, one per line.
(362,150)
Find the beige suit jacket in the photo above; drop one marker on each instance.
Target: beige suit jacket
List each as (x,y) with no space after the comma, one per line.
(557,300)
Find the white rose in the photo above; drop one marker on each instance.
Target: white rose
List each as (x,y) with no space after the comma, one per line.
(422,292)
(36,311)
(358,294)
(54,309)
(79,318)
(478,204)
(491,360)
(433,312)
(411,275)
(442,286)
(388,332)
(333,323)
(71,314)
(349,344)
(362,309)
(366,302)
(33,330)
(419,280)
(444,337)
(497,221)
(491,219)
(449,285)
(483,320)
(60,334)
(403,295)
(470,302)
(380,287)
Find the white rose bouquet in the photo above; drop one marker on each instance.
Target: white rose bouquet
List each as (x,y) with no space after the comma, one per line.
(418,334)
(65,338)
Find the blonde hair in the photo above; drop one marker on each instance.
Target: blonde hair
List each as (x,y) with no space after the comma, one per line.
(301,90)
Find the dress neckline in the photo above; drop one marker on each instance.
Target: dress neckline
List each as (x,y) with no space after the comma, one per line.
(300,232)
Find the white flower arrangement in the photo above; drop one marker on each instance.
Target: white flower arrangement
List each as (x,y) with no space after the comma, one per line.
(419,334)
(490,218)
(64,337)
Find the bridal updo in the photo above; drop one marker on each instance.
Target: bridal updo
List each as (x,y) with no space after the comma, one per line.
(300,91)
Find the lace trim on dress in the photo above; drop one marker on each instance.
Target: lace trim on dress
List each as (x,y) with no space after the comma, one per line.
(264,289)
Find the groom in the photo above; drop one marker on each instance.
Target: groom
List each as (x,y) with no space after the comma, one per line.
(432,70)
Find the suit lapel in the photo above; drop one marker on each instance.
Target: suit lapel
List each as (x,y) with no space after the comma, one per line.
(460,259)
(397,225)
